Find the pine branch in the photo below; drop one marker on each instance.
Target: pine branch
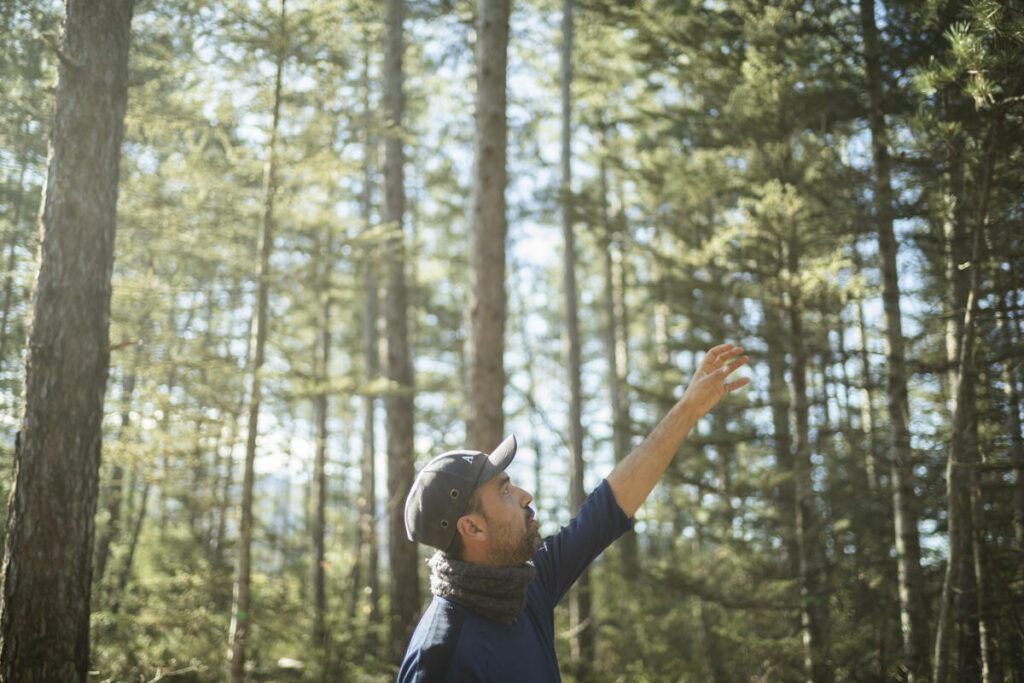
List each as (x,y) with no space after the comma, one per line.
(66,59)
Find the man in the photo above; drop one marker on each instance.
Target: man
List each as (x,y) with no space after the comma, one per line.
(495,583)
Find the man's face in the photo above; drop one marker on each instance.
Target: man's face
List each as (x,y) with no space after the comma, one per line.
(512,532)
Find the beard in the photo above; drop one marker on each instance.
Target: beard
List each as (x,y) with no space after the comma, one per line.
(513,544)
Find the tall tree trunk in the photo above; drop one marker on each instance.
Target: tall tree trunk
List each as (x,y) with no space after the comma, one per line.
(958,606)
(133,542)
(241,610)
(405,594)
(616,351)
(115,489)
(366,546)
(321,356)
(782,436)
(47,566)
(867,411)
(1011,390)
(814,596)
(582,640)
(913,614)
(964,516)
(485,344)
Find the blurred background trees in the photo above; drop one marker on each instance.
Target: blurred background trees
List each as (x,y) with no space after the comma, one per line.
(836,186)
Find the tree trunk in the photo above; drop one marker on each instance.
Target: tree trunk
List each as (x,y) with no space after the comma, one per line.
(913,615)
(814,596)
(129,559)
(485,345)
(1011,387)
(616,351)
(1011,390)
(959,595)
(321,355)
(965,544)
(241,610)
(47,567)
(115,489)
(405,594)
(867,410)
(782,437)
(582,640)
(366,535)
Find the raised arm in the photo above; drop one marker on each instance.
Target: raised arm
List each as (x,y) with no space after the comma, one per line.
(634,478)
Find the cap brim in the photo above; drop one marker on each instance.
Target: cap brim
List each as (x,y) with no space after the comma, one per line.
(499,459)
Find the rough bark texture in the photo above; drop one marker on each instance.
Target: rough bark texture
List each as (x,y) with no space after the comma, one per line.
(47,568)
(913,615)
(405,593)
(485,343)
(241,612)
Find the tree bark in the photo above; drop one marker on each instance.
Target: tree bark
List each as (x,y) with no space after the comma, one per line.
(485,345)
(47,567)
(405,594)
(913,614)
(241,611)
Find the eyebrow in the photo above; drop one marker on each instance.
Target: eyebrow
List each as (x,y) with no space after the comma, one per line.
(502,479)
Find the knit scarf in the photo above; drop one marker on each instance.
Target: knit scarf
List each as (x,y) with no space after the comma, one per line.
(496,593)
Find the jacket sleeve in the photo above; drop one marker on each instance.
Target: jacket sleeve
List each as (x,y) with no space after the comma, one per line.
(564,556)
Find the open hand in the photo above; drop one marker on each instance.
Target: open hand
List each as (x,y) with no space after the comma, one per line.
(709,384)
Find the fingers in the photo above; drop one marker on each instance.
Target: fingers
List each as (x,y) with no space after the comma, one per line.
(720,362)
(723,352)
(733,386)
(728,368)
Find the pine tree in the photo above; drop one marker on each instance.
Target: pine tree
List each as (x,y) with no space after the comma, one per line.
(47,568)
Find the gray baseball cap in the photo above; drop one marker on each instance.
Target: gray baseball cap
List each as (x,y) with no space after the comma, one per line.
(442,489)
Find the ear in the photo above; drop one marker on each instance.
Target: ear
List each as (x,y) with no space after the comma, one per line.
(472,528)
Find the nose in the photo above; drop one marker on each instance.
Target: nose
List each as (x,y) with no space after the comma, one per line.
(526,497)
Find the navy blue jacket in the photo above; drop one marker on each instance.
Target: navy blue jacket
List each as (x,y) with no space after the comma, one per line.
(453,644)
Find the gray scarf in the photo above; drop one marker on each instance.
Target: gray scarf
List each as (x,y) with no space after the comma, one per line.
(496,593)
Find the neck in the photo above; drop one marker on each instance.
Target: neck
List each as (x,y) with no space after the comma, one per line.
(493,592)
